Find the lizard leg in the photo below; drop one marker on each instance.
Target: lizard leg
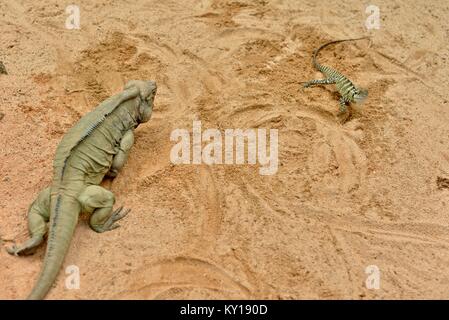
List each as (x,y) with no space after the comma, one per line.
(120,158)
(318,81)
(99,201)
(38,216)
(343,106)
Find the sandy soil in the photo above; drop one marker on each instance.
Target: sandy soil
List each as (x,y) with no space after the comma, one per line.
(373,191)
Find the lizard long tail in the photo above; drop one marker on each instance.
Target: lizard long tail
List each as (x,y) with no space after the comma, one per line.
(62,225)
(316,64)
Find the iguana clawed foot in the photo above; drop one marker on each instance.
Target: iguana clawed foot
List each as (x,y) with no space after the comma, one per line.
(27,248)
(110,222)
(14,250)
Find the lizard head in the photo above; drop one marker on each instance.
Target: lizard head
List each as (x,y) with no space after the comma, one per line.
(147,91)
(360,95)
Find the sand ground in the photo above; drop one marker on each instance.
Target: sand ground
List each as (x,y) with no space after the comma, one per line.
(371,191)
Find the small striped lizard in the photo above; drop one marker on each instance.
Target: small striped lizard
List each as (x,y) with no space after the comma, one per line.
(348,91)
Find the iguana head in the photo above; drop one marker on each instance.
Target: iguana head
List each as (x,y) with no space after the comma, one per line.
(147,91)
(360,95)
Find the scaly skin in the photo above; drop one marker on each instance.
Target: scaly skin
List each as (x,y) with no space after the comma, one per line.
(96,146)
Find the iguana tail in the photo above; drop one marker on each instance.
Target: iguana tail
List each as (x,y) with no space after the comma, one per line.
(316,64)
(63,220)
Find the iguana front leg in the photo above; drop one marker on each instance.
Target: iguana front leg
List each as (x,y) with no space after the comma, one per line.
(120,158)
(99,201)
(38,216)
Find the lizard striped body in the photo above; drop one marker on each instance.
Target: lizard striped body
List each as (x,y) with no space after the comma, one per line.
(348,91)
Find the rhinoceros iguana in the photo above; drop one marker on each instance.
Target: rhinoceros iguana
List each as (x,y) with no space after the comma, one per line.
(95,147)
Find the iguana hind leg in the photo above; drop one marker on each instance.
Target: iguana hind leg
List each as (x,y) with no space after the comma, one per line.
(99,201)
(38,216)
